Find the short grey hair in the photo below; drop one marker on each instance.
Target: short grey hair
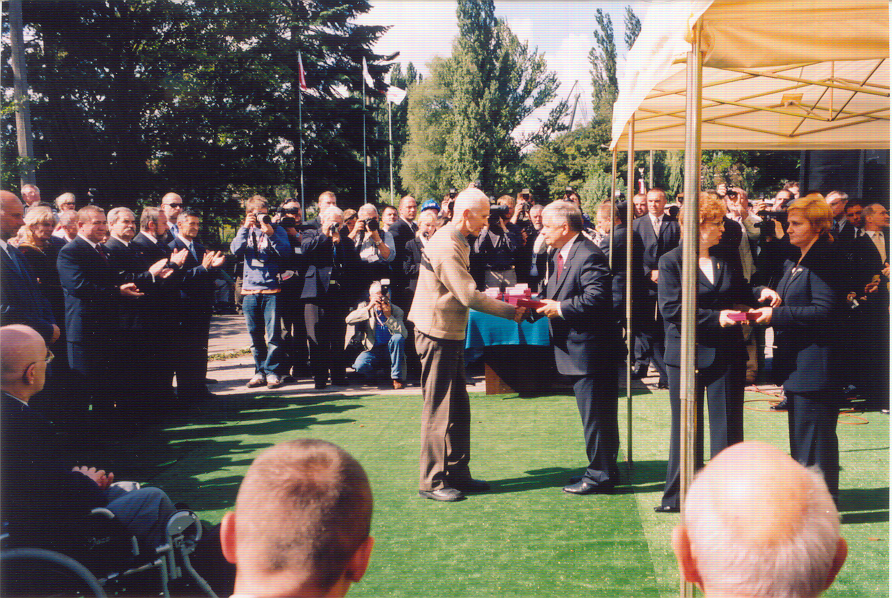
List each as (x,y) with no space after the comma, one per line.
(115,213)
(64,197)
(67,216)
(794,567)
(333,210)
(867,211)
(374,287)
(367,210)
(564,211)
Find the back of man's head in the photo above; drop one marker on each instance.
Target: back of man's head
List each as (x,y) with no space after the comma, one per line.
(757,523)
(301,522)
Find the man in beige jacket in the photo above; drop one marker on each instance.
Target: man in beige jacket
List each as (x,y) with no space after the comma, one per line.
(445,293)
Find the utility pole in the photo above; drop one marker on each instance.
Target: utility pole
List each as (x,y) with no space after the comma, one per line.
(20,80)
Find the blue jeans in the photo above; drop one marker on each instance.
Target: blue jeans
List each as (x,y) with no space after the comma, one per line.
(393,353)
(262,318)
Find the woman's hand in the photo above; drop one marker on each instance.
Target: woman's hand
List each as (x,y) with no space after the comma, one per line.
(725,318)
(764,316)
(771,296)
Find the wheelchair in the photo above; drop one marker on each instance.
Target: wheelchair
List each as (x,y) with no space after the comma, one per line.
(95,556)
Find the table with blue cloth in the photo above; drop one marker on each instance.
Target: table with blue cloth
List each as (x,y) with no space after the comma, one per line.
(518,356)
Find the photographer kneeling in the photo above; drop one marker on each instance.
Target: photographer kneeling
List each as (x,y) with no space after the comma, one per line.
(384,334)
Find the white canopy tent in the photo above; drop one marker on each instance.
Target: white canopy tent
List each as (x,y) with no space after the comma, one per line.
(802,74)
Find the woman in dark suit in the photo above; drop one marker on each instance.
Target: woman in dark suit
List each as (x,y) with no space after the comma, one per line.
(721,354)
(806,335)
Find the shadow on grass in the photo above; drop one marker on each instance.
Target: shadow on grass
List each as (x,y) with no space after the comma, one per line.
(864,505)
(536,479)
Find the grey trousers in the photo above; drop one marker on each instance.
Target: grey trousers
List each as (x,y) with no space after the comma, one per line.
(143,511)
(446,415)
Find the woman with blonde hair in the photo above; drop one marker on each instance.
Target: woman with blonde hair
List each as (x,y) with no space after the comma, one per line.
(720,351)
(807,333)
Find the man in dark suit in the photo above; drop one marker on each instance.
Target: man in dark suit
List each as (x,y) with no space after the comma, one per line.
(403,231)
(332,265)
(171,205)
(92,288)
(618,265)
(196,285)
(21,302)
(659,233)
(585,335)
(325,201)
(843,231)
(162,305)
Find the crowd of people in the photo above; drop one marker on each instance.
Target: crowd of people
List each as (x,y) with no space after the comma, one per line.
(89,286)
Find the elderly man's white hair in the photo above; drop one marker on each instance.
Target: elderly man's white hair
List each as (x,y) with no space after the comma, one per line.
(367,211)
(761,525)
(331,212)
(470,199)
(115,213)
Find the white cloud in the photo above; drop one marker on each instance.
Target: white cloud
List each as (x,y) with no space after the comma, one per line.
(523,29)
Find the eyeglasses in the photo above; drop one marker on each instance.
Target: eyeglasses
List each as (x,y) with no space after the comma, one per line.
(49,357)
(177,205)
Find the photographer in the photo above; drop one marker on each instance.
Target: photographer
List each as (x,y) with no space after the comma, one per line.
(375,246)
(448,202)
(494,253)
(263,246)
(384,334)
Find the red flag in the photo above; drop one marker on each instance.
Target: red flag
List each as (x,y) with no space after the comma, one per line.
(300,73)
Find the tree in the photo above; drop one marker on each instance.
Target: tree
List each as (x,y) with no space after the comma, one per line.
(491,83)
(633,27)
(602,58)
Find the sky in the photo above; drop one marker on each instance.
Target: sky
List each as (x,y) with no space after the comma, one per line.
(561,29)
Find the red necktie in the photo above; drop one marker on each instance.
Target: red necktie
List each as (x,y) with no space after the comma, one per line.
(102,253)
(560,264)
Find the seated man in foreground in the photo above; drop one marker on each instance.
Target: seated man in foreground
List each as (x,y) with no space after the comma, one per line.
(757,523)
(39,491)
(384,335)
(301,522)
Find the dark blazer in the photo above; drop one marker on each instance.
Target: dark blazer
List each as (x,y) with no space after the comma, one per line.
(402,233)
(151,251)
(21,301)
(43,264)
(656,246)
(714,343)
(326,263)
(134,313)
(728,247)
(163,299)
(639,281)
(196,288)
(807,323)
(411,263)
(867,260)
(91,292)
(36,487)
(586,338)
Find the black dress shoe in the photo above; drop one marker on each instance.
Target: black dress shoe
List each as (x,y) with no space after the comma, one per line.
(470,485)
(583,487)
(442,494)
(575,479)
(666,509)
(782,406)
(320,384)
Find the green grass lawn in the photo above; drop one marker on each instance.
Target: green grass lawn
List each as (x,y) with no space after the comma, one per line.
(526,537)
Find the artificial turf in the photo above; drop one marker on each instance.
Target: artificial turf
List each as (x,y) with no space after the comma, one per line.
(526,537)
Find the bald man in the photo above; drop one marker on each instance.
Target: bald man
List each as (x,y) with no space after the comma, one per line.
(756,523)
(171,205)
(445,293)
(21,301)
(38,491)
(301,522)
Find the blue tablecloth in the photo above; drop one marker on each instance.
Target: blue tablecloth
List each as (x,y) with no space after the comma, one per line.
(485,330)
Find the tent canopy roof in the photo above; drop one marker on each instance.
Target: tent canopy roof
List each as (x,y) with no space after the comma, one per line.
(827,87)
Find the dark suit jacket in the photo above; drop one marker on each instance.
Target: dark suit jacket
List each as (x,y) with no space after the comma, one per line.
(585,339)
(91,292)
(21,301)
(639,281)
(867,260)
(162,302)
(134,313)
(402,233)
(656,246)
(326,264)
(807,323)
(728,247)
(196,288)
(714,343)
(38,490)
(411,263)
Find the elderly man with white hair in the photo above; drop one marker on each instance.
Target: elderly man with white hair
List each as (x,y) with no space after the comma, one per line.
(758,524)
(445,293)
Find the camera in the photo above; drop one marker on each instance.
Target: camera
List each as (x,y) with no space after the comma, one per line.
(332,228)
(496,213)
(452,193)
(766,226)
(264,219)
(385,287)
(371,224)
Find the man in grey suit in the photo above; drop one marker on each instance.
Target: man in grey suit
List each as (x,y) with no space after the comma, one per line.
(579,304)
(445,293)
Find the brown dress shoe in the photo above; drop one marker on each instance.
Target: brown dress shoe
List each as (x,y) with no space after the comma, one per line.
(397,384)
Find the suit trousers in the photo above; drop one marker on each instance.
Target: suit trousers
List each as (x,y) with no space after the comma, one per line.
(596,398)
(723,384)
(326,332)
(191,358)
(649,338)
(446,415)
(812,421)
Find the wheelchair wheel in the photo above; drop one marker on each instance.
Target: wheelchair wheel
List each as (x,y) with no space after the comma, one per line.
(36,572)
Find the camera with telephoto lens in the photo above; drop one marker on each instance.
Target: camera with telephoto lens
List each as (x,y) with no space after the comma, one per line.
(371,224)
(452,193)
(766,225)
(264,219)
(332,228)
(496,213)
(385,287)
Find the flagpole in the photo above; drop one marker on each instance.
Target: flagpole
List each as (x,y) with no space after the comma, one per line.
(364,159)
(300,126)
(390,136)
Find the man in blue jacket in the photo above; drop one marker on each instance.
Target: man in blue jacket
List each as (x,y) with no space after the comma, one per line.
(263,246)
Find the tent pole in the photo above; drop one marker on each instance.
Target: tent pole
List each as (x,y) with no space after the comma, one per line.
(630,175)
(651,182)
(690,226)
